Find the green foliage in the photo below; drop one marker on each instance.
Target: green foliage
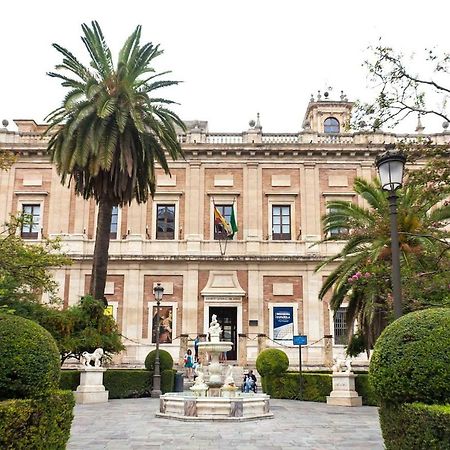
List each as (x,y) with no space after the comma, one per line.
(411,359)
(167,380)
(165,360)
(272,361)
(25,268)
(415,426)
(29,359)
(356,344)
(365,390)
(69,380)
(36,423)
(83,327)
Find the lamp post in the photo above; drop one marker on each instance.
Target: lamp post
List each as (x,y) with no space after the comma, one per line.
(390,167)
(158,292)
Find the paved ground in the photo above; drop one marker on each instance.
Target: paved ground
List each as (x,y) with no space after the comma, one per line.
(131,424)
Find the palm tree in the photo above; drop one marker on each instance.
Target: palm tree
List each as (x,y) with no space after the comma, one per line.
(362,273)
(110,130)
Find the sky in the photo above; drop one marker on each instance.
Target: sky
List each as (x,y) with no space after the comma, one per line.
(235,58)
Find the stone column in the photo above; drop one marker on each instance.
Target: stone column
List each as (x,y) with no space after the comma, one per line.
(201,353)
(242,357)
(262,341)
(91,388)
(184,343)
(328,350)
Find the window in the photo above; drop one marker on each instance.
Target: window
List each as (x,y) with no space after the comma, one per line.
(30,229)
(219,232)
(114,223)
(337,231)
(340,327)
(281,222)
(165,226)
(331,125)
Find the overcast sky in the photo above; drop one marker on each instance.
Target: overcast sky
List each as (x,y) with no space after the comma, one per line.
(236,58)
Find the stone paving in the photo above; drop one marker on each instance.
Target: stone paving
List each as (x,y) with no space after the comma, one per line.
(131,424)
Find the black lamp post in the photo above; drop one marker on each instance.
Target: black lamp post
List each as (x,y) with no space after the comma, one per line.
(158,292)
(390,168)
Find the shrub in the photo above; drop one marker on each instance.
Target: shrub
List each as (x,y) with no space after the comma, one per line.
(36,423)
(272,361)
(411,359)
(128,383)
(165,360)
(415,426)
(29,359)
(365,390)
(167,380)
(70,379)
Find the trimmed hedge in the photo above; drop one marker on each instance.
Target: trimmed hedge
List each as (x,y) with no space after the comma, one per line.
(123,383)
(272,361)
(316,387)
(415,426)
(165,360)
(29,359)
(36,423)
(411,359)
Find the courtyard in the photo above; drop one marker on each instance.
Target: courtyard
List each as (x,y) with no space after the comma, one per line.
(131,424)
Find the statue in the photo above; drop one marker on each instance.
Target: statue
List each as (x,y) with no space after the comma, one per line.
(200,387)
(342,365)
(229,380)
(96,357)
(214,329)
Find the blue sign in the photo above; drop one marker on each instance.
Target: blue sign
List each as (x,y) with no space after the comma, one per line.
(300,340)
(283,323)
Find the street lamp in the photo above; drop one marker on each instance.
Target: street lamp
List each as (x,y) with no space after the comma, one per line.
(390,167)
(158,292)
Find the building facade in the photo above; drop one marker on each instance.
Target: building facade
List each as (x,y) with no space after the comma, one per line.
(261,283)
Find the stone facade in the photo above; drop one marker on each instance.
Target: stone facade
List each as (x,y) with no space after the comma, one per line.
(266,177)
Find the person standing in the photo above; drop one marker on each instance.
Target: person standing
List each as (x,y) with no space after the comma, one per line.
(188,364)
(196,341)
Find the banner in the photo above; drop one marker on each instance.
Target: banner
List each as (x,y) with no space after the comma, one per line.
(283,323)
(165,325)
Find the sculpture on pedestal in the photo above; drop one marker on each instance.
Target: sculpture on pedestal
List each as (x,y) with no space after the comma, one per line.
(96,357)
(214,329)
(342,365)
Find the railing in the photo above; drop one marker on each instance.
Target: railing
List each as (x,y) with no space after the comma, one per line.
(280,138)
(224,138)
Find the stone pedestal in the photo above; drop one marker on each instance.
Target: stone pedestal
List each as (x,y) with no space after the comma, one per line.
(91,389)
(344,393)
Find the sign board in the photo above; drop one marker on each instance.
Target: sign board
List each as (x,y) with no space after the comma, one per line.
(283,323)
(300,340)
(109,311)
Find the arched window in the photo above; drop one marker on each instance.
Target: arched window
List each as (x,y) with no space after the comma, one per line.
(331,125)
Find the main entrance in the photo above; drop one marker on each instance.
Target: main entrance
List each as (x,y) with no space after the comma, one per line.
(227,318)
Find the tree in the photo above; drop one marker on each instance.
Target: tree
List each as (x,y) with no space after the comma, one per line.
(25,269)
(110,130)
(362,274)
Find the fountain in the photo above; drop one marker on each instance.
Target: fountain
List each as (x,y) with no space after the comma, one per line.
(214,399)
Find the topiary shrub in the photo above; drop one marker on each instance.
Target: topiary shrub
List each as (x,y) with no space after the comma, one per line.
(165,360)
(411,359)
(272,362)
(167,380)
(29,359)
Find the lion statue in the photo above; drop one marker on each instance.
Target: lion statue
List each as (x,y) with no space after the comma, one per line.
(342,365)
(95,357)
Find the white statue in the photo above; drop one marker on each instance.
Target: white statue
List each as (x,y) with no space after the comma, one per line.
(96,357)
(229,380)
(200,376)
(214,329)
(342,365)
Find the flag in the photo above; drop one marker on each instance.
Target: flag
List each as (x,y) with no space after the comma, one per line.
(233,223)
(220,220)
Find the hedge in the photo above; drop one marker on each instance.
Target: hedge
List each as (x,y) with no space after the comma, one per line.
(165,360)
(316,387)
(123,383)
(29,359)
(415,426)
(411,359)
(272,361)
(36,423)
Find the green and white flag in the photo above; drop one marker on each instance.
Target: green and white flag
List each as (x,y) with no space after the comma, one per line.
(233,223)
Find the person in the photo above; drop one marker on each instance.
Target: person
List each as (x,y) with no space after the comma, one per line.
(188,364)
(249,383)
(196,341)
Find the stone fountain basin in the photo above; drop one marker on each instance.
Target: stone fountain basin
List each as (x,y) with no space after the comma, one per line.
(215,347)
(182,406)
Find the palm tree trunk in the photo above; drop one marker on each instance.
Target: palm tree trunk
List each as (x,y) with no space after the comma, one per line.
(102,237)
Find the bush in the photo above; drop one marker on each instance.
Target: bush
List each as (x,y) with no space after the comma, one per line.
(411,359)
(167,380)
(36,423)
(165,360)
(272,361)
(365,390)
(415,426)
(29,359)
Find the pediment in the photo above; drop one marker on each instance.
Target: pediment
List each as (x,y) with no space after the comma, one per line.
(223,284)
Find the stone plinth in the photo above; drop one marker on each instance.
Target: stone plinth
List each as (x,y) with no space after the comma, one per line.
(344,393)
(91,389)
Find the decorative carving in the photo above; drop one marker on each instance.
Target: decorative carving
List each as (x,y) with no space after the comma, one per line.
(214,329)
(96,357)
